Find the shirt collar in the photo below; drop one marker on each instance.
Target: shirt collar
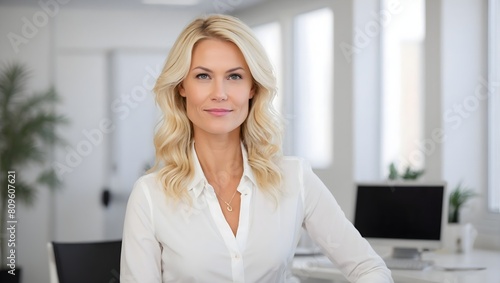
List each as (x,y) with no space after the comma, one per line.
(199,181)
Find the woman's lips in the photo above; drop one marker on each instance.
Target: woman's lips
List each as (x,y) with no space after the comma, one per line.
(218,111)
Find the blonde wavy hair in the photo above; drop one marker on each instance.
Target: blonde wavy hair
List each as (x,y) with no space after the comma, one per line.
(261,132)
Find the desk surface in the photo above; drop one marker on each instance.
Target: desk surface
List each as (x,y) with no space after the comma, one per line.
(478,258)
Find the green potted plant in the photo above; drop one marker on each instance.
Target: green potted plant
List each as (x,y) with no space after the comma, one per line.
(408,174)
(457,199)
(27,135)
(459,236)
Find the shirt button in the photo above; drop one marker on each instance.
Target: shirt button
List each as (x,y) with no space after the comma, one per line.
(236,256)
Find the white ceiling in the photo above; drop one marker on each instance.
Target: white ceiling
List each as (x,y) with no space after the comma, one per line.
(209,6)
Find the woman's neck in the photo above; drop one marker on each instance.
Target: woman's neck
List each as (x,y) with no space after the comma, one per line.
(220,160)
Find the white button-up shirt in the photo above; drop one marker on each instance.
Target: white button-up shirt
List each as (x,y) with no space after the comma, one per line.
(165,241)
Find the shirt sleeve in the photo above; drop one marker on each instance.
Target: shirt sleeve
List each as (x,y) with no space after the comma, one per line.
(328,226)
(141,252)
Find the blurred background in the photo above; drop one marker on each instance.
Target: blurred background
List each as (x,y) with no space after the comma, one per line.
(362,84)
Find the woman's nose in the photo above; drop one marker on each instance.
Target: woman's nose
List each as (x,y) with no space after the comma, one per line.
(219,91)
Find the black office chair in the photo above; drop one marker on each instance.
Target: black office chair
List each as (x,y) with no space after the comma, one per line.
(92,262)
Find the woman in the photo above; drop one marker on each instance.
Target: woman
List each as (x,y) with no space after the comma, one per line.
(222,204)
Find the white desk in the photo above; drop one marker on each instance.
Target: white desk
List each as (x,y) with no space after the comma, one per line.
(478,258)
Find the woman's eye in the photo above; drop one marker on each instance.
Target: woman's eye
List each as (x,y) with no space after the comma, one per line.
(234,77)
(202,76)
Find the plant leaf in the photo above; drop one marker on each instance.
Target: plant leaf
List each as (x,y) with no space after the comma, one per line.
(28,126)
(50,179)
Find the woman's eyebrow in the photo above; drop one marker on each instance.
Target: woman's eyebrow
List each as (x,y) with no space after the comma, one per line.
(210,71)
(203,68)
(235,69)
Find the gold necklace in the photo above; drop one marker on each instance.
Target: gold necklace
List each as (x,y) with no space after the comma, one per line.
(228,204)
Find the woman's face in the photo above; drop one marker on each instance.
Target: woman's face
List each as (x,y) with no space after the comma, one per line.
(217,89)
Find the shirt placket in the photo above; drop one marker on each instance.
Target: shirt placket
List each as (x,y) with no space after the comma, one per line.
(227,235)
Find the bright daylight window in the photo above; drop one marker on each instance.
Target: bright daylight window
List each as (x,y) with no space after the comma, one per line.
(402,86)
(494,106)
(269,36)
(313,87)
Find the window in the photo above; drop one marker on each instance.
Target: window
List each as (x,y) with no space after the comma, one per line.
(313,87)
(269,36)
(494,106)
(402,87)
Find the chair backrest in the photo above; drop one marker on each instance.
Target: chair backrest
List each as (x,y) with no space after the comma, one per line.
(96,262)
(52,264)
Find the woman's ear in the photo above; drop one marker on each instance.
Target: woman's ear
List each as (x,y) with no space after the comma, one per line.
(181,89)
(252,91)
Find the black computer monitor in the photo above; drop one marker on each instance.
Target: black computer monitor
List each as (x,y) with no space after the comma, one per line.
(408,216)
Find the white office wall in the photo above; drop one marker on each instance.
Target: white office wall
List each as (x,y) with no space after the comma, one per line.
(464,69)
(104,29)
(432,144)
(366,91)
(78,214)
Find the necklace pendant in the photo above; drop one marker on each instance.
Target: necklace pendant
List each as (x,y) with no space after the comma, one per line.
(229,208)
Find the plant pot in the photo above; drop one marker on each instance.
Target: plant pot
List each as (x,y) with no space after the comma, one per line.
(6,277)
(459,238)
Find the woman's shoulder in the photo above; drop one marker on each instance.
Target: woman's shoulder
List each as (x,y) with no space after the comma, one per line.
(294,168)
(293,163)
(292,158)
(148,178)
(148,182)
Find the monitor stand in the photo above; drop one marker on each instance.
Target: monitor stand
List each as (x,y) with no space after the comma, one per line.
(407,258)
(406,253)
